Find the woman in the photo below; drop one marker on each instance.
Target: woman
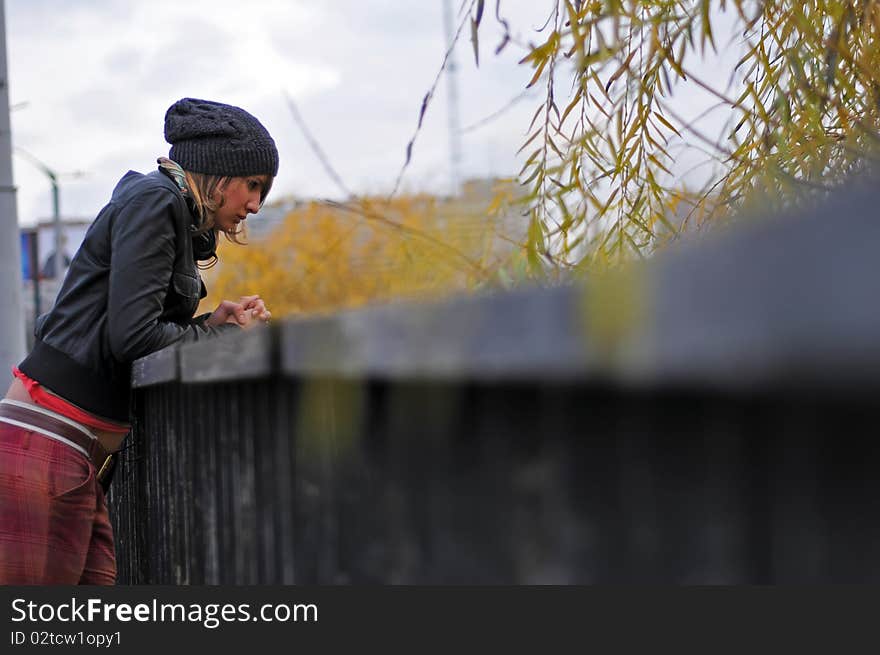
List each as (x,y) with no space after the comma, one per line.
(131,289)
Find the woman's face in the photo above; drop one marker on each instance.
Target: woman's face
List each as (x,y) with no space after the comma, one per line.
(241,196)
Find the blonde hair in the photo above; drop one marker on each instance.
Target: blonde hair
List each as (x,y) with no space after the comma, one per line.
(203,191)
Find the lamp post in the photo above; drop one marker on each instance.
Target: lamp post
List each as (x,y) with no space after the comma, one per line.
(452,95)
(60,264)
(12,341)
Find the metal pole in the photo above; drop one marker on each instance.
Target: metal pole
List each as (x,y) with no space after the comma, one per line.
(452,86)
(35,272)
(11,318)
(59,268)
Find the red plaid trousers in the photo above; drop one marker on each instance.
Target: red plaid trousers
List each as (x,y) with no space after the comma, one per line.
(54,526)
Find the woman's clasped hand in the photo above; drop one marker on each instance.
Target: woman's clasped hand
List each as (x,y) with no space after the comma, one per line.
(248,312)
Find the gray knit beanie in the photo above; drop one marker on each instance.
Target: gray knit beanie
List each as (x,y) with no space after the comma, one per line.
(216,139)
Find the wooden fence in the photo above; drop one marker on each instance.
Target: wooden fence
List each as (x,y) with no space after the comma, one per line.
(708,417)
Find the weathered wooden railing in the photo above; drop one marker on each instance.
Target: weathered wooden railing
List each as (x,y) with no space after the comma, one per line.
(710,417)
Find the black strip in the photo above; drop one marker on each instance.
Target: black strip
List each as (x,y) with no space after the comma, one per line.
(76,383)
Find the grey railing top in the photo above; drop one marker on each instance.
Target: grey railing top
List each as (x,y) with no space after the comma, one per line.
(786,302)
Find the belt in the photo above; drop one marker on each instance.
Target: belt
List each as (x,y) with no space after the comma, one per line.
(54,427)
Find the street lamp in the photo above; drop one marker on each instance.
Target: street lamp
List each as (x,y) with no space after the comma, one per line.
(60,265)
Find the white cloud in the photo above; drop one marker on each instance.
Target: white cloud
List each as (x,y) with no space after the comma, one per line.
(97,79)
(98,76)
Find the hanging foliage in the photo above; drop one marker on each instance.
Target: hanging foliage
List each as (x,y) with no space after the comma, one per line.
(601,180)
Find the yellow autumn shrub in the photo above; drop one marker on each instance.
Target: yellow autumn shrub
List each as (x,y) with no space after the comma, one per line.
(325,256)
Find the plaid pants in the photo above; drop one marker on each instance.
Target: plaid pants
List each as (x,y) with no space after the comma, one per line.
(54,526)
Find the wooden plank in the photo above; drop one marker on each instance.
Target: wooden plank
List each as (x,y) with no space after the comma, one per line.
(234,356)
(158,368)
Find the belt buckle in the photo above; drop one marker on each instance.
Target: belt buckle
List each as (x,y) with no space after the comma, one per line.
(104,467)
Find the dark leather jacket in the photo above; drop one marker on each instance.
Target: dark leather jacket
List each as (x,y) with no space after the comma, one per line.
(131,289)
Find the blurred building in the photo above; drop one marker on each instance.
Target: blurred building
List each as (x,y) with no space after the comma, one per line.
(269,217)
(38,262)
(468,216)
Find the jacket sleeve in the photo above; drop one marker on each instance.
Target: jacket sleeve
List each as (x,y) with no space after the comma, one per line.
(141,264)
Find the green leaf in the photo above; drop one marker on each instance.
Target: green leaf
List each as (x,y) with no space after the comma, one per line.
(535,245)
(621,70)
(537,74)
(530,139)
(660,118)
(577,97)
(707,24)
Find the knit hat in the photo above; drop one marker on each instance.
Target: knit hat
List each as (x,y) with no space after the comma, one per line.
(216,139)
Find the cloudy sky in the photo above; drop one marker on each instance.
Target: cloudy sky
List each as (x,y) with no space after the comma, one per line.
(90,82)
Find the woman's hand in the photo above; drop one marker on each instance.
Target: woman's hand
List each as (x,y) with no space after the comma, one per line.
(226,312)
(257,308)
(249,312)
